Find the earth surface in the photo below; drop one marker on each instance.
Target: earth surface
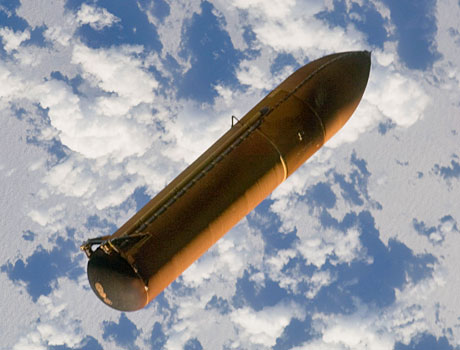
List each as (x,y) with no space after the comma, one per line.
(103,102)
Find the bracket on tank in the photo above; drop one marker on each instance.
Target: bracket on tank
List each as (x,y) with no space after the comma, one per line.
(107,244)
(233,121)
(87,246)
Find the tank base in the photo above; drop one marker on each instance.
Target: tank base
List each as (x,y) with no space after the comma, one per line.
(115,282)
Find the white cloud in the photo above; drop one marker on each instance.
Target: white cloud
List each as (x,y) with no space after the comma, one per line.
(194,321)
(52,330)
(45,217)
(417,308)
(60,24)
(98,18)
(252,75)
(110,122)
(305,36)
(357,335)
(370,328)
(42,12)
(100,184)
(275,9)
(385,12)
(13,39)
(71,178)
(194,130)
(59,35)
(88,126)
(119,72)
(290,27)
(278,261)
(317,281)
(11,86)
(398,97)
(389,95)
(226,261)
(274,268)
(448,226)
(364,329)
(265,326)
(170,30)
(318,245)
(91,134)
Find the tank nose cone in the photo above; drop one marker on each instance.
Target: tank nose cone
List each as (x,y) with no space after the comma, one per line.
(339,90)
(115,282)
(332,87)
(339,84)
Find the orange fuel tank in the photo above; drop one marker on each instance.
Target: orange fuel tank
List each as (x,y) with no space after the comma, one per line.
(133,265)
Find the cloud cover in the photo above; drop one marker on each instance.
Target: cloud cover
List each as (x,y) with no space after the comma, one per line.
(110,122)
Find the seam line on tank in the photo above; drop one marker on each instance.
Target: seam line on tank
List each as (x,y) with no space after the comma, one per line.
(283,162)
(323,129)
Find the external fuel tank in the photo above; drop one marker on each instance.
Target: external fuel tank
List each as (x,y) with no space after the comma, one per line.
(133,265)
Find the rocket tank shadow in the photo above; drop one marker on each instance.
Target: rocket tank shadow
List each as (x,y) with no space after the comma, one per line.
(132,266)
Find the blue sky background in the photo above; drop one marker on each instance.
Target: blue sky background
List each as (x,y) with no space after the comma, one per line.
(102,103)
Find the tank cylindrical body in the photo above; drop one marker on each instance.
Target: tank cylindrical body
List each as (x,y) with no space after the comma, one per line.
(231,178)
